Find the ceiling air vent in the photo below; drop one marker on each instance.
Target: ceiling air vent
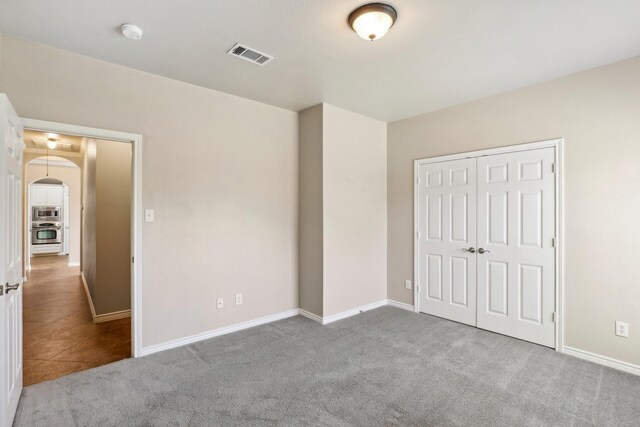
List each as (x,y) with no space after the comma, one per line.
(249,54)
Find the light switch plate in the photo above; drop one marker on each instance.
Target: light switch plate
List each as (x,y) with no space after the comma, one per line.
(220,303)
(407,284)
(149,215)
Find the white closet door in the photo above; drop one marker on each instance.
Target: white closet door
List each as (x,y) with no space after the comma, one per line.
(447,239)
(516,227)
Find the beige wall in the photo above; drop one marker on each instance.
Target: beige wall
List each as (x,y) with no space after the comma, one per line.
(113,226)
(310,210)
(220,172)
(598,114)
(106,219)
(71,177)
(355,219)
(342,210)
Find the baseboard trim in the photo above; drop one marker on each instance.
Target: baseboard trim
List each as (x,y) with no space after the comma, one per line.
(86,290)
(106,317)
(74,264)
(310,315)
(602,360)
(353,312)
(217,332)
(398,304)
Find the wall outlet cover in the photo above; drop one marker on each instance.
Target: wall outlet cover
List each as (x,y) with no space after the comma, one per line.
(238,299)
(622,329)
(407,284)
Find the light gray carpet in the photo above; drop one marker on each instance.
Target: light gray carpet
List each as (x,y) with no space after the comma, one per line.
(383,367)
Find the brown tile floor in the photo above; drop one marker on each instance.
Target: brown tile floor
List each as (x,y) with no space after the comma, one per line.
(59,334)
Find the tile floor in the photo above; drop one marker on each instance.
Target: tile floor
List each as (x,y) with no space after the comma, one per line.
(59,334)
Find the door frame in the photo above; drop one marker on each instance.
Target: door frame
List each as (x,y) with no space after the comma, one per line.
(558,145)
(136,211)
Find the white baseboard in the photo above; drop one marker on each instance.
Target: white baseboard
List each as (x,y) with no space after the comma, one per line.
(353,312)
(602,360)
(342,315)
(74,264)
(310,315)
(398,304)
(106,317)
(217,332)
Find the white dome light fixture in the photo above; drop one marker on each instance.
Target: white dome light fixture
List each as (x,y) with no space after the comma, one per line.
(372,21)
(131,31)
(52,144)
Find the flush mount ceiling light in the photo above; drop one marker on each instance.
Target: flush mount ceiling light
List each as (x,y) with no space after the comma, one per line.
(373,20)
(131,31)
(52,144)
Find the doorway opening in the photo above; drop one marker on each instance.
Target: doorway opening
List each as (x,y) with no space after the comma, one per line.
(81,282)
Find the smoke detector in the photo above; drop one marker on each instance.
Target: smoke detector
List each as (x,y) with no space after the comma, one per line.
(250,54)
(131,31)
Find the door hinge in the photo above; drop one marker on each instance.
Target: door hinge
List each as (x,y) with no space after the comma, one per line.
(1,289)
(553,317)
(553,168)
(133,259)
(553,242)
(417,234)
(418,180)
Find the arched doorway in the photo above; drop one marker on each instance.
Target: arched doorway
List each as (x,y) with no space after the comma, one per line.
(52,182)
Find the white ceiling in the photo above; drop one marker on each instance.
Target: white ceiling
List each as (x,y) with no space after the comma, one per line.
(439,53)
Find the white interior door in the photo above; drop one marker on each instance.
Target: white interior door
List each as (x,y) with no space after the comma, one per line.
(10,262)
(447,239)
(516,254)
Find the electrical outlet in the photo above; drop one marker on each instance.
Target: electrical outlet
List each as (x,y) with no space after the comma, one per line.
(238,299)
(622,329)
(407,284)
(220,303)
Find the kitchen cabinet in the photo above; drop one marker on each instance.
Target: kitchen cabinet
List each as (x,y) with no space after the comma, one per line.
(47,195)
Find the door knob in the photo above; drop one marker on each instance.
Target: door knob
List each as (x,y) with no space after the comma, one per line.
(481,251)
(471,249)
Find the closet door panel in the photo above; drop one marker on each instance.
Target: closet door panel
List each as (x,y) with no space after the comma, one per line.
(446,232)
(516,257)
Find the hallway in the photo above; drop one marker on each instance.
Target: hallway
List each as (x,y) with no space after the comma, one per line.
(59,334)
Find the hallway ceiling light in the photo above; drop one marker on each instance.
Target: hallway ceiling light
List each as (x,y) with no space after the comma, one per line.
(52,144)
(373,20)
